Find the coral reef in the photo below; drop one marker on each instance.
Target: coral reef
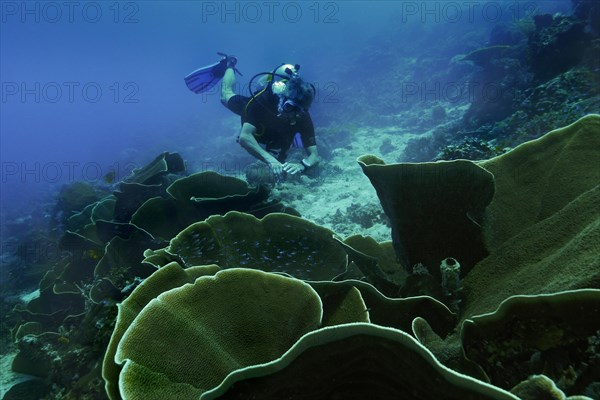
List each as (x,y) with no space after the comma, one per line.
(542,227)
(354,361)
(435,209)
(536,74)
(336,307)
(73,198)
(227,332)
(537,334)
(365,215)
(314,298)
(536,387)
(451,282)
(101,256)
(147,278)
(557,44)
(164,279)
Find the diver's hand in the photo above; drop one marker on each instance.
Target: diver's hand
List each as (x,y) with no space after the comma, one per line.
(276,167)
(231,61)
(293,168)
(228,60)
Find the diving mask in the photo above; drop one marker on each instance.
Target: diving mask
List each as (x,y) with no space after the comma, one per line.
(288,106)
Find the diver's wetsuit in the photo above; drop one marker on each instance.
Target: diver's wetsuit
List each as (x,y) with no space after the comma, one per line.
(272,131)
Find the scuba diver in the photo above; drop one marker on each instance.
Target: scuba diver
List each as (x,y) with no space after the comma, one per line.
(276,116)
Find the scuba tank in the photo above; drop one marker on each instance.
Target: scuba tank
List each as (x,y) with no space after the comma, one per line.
(273,81)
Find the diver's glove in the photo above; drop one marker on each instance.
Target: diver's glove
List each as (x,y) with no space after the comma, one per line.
(229,62)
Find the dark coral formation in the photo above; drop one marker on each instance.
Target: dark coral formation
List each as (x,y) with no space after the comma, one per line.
(436,209)
(535,74)
(545,334)
(354,361)
(533,211)
(206,274)
(101,258)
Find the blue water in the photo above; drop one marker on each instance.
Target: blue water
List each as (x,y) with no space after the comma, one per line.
(92,86)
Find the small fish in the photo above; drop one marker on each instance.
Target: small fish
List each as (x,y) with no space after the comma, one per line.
(63,340)
(109,178)
(93,254)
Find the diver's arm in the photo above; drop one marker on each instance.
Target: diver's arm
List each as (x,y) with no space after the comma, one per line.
(308,162)
(248,142)
(313,157)
(227,86)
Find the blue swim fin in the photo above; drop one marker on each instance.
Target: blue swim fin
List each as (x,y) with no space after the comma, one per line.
(205,78)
